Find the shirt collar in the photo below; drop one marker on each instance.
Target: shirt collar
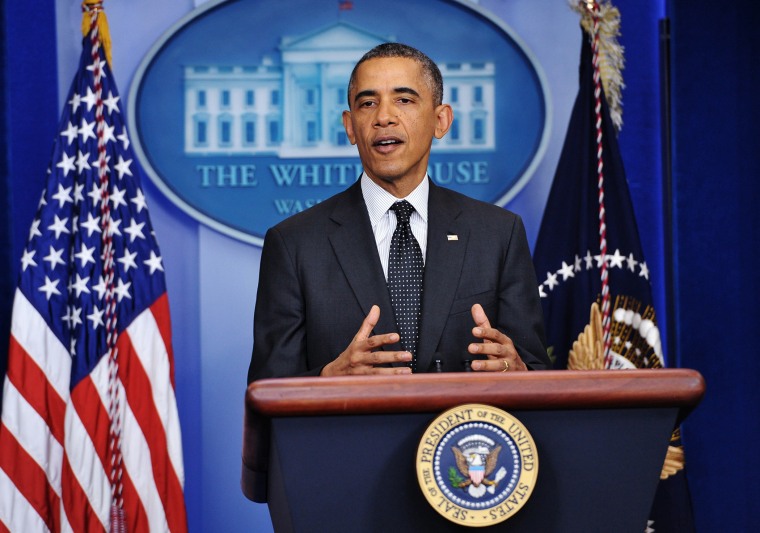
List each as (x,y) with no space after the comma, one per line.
(378,200)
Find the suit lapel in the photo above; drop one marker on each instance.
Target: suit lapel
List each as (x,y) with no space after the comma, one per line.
(446,245)
(354,246)
(355,249)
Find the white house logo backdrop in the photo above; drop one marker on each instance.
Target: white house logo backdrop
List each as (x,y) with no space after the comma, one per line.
(237,109)
(477,465)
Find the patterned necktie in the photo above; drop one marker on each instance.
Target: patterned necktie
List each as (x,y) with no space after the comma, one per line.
(405,268)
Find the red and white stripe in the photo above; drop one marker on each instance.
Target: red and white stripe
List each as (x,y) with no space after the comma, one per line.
(54,471)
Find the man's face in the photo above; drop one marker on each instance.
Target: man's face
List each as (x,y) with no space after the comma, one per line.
(393,120)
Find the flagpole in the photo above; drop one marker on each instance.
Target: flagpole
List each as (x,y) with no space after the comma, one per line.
(593,7)
(94,18)
(667,188)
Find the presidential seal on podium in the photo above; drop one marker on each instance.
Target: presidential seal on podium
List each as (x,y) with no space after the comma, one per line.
(476,465)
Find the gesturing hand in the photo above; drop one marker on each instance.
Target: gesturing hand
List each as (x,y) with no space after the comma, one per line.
(359,357)
(499,349)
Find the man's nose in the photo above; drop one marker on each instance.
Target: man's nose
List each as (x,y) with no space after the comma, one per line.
(386,114)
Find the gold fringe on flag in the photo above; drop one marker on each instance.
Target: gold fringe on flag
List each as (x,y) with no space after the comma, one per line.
(675,460)
(88,7)
(611,52)
(587,353)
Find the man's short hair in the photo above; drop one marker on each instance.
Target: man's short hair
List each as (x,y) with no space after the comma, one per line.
(430,70)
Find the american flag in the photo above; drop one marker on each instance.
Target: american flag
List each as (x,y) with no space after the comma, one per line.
(90,437)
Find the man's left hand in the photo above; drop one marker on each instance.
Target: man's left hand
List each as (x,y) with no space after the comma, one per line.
(496,346)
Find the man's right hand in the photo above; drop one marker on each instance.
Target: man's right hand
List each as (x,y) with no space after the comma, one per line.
(359,357)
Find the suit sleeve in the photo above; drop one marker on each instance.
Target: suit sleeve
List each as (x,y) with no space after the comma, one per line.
(279,325)
(520,313)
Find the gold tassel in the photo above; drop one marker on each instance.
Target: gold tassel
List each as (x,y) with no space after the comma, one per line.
(611,53)
(96,6)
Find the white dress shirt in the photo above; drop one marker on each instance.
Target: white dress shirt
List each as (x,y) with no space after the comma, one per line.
(383,220)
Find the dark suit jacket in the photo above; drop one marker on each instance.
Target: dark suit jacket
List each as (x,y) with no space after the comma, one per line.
(320,275)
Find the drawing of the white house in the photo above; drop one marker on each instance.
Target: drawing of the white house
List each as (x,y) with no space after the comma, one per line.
(292,107)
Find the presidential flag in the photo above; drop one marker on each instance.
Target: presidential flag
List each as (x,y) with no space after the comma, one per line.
(90,436)
(589,232)
(594,280)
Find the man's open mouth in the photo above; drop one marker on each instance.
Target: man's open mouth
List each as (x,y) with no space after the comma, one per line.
(387,142)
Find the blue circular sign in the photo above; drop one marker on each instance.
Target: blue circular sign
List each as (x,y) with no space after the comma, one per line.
(236,111)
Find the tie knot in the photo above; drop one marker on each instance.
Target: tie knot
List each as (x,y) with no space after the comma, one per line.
(403,211)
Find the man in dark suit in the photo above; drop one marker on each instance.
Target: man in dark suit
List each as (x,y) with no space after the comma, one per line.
(324,306)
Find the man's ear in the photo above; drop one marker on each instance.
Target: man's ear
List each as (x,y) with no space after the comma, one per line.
(349,127)
(444,116)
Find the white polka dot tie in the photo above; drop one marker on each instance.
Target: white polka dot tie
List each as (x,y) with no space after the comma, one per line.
(405,269)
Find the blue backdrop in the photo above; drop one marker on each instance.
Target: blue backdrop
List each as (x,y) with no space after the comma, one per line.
(716,191)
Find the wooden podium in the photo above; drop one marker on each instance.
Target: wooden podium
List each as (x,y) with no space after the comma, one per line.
(338,454)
